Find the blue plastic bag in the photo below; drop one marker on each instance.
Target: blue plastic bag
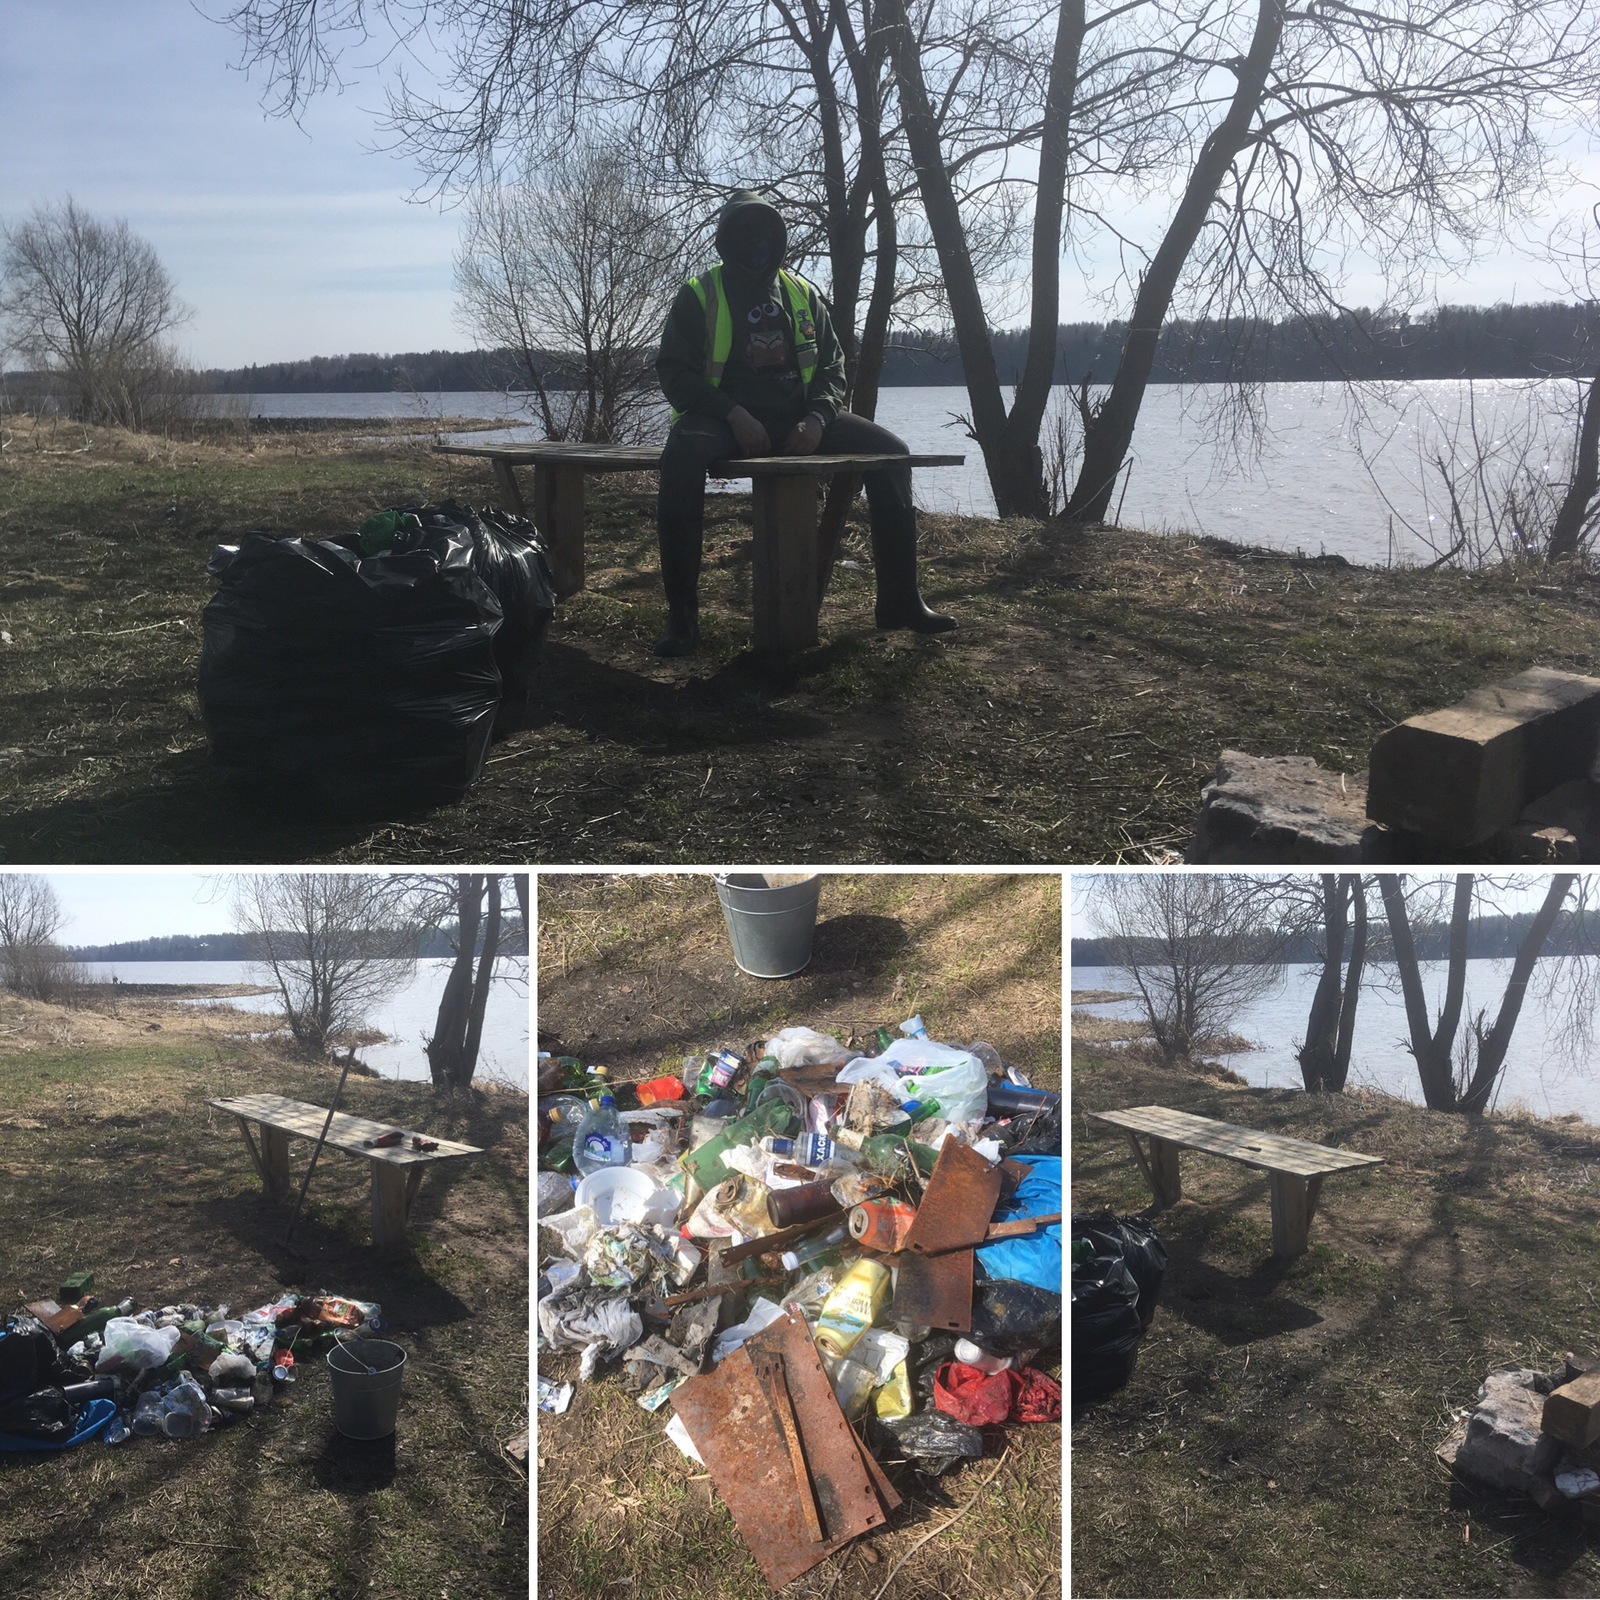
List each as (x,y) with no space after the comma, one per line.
(1033,1257)
(91,1420)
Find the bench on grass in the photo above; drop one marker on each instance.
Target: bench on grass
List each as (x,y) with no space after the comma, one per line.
(397,1172)
(786,571)
(1296,1167)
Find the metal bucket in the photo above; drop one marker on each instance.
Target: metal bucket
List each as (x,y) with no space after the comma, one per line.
(771,918)
(366,1405)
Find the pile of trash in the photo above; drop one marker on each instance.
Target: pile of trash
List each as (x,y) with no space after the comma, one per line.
(1536,1434)
(820,1260)
(73,1369)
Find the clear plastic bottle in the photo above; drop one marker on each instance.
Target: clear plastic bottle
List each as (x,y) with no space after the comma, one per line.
(601,1140)
(185,1411)
(819,1251)
(147,1414)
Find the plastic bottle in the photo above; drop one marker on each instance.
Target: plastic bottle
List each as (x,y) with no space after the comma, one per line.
(974,1355)
(857,1301)
(913,1028)
(818,1251)
(147,1414)
(185,1410)
(765,1069)
(601,1140)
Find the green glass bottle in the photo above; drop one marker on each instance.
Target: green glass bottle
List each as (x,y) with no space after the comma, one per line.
(705,1164)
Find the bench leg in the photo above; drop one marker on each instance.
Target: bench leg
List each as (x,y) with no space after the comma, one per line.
(558,515)
(784,571)
(274,1161)
(1293,1202)
(1164,1177)
(391,1204)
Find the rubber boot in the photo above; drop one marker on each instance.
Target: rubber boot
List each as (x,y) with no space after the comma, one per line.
(680,577)
(894,556)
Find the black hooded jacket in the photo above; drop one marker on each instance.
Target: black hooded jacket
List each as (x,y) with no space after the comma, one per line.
(761,374)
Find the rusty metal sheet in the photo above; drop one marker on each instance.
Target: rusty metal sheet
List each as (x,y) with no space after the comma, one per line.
(731,1418)
(934,1291)
(958,1204)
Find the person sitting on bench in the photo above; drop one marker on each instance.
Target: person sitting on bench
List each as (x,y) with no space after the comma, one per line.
(751,366)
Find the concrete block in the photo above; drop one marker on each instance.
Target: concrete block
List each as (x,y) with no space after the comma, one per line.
(1502,1443)
(1464,773)
(1572,1412)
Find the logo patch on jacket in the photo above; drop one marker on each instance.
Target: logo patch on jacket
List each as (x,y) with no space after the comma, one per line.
(767,338)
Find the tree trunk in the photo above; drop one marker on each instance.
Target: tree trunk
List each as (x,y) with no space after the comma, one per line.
(1106,442)
(1322,1027)
(1492,1046)
(448,1044)
(468,1064)
(1011,453)
(1567,531)
(1352,987)
(1430,1046)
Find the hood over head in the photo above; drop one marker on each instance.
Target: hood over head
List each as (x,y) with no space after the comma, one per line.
(751,236)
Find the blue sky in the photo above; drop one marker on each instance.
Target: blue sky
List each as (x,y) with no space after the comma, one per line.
(288,241)
(107,907)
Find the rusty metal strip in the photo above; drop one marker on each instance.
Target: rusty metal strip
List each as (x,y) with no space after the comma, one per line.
(769,1369)
(935,1291)
(731,1420)
(958,1204)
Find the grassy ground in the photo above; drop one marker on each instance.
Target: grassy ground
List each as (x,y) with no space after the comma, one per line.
(636,972)
(111,1161)
(1278,1435)
(1073,717)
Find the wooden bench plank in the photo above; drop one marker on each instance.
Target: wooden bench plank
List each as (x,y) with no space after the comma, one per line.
(1271,1152)
(647,458)
(296,1119)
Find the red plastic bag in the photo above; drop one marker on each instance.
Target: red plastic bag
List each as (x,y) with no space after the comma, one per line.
(970,1395)
(983,1399)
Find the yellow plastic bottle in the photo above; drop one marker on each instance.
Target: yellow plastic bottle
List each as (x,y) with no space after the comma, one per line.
(858,1300)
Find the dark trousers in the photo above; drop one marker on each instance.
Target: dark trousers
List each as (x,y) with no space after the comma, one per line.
(695,442)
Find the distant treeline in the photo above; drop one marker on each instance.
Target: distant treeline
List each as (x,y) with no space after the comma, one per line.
(1488,938)
(1503,341)
(236,947)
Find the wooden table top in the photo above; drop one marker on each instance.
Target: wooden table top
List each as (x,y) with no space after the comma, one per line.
(345,1132)
(1272,1152)
(647,457)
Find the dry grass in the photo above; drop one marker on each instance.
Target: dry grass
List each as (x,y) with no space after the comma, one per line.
(1073,717)
(110,1160)
(1278,1435)
(636,972)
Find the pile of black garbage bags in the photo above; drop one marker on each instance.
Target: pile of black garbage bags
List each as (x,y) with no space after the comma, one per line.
(1117,1267)
(374,678)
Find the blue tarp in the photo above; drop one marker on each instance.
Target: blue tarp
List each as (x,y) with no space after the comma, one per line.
(1036,1257)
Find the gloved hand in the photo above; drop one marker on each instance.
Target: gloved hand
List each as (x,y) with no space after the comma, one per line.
(752,437)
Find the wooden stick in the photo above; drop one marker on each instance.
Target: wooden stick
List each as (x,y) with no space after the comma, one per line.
(317,1149)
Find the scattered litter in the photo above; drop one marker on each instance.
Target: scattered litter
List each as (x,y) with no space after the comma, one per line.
(784,1256)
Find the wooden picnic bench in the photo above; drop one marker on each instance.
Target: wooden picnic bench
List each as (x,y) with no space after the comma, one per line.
(397,1172)
(785,577)
(1296,1167)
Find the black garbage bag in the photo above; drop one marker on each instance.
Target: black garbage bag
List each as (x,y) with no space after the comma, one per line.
(45,1414)
(1009,1316)
(509,557)
(1139,1245)
(927,1356)
(361,683)
(1105,1326)
(1038,1135)
(932,1442)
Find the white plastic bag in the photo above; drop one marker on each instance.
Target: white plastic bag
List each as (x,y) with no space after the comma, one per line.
(572,1229)
(920,1069)
(798,1047)
(132,1347)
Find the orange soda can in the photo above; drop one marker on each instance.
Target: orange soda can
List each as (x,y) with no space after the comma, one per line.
(882,1224)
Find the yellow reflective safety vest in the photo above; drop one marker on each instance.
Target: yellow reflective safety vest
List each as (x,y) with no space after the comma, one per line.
(713,300)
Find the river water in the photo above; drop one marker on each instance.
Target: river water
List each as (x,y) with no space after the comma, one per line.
(406,1017)
(1333,474)
(1541,1072)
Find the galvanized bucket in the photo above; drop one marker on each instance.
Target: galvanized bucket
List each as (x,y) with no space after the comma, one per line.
(771,918)
(366,1404)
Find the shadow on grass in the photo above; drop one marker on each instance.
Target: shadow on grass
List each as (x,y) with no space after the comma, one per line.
(1231,1309)
(354,1466)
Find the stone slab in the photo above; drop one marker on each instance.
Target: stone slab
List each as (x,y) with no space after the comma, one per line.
(1501,1443)
(1279,811)
(1466,772)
